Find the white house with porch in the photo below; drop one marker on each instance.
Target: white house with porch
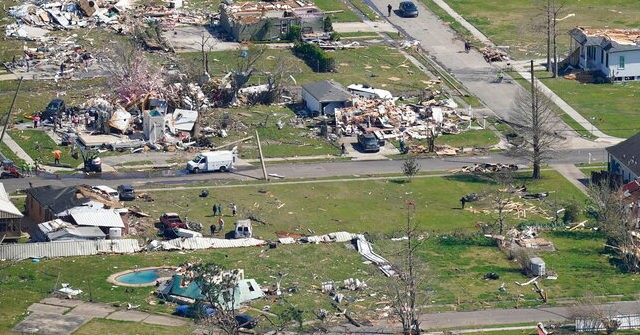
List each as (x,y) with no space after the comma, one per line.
(615,53)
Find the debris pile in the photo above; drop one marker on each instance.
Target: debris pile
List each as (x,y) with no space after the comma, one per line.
(494,55)
(46,15)
(387,121)
(486,168)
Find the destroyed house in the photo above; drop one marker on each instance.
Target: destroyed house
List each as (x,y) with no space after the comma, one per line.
(265,21)
(613,53)
(10,217)
(624,159)
(323,97)
(179,289)
(75,204)
(43,203)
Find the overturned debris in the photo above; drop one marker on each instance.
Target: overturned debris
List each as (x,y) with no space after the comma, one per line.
(486,168)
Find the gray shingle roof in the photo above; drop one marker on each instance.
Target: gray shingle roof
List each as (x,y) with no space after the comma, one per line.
(57,199)
(327,91)
(628,153)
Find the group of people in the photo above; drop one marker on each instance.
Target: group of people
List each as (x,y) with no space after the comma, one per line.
(217,211)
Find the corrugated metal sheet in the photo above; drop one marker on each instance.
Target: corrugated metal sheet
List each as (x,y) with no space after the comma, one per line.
(7,209)
(65,249)
(364,248)
(204,243)
(97,217)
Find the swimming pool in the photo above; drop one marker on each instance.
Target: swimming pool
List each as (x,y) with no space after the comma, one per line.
(141,277)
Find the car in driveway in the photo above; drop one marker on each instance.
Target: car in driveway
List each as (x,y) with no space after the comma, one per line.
(368,142)
(126,192)
(408,9)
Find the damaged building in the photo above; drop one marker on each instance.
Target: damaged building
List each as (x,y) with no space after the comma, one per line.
(611,53)
(265,21)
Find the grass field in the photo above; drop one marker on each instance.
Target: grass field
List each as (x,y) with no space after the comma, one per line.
(515,23)
(454,255)
(609,107)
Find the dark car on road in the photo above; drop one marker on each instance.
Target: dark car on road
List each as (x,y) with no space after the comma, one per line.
(126,192)
(408,9)
(368,142)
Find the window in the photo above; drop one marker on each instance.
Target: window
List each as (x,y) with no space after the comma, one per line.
(621,62)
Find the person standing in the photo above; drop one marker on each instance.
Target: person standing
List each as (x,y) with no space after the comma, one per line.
(389,8)
(214,208)
(220,209)
(234,209)
(213,228)
(220,224)
(56,157)
(463,201)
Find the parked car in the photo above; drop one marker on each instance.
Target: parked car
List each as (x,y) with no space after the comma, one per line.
(55,107)
(172,220)
(9,170)
(408,9)
(126,192)
(368,142)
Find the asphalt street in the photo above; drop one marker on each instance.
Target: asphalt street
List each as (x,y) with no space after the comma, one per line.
(247,172)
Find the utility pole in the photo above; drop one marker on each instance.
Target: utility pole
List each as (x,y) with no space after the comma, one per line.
(264,168)
(6,121)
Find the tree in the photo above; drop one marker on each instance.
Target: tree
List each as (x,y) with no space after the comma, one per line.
(501,197)
(614,217)
(410,167)
(550,10)
(133,77)
(405,292)
(535,122)
(595,314)
(218,288)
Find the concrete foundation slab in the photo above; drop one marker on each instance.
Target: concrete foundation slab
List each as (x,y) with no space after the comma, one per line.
(42,308)
(92,310)
(47,323)
(164,320)
(128,316)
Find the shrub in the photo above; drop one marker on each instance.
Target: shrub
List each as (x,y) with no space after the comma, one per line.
(314,57)
(571,212)
(294,34)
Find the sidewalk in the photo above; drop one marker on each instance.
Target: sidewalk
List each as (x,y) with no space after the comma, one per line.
(525,74)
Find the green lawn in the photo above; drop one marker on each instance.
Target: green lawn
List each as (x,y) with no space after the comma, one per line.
(37,144)
(378,66)
(513,23)
(476,138)
(341,12)
(609,107)
(455,256)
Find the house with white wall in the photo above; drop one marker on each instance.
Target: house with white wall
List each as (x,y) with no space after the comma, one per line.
(615,53)
(323,97)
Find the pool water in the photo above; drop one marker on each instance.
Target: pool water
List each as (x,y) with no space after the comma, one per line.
(139,277)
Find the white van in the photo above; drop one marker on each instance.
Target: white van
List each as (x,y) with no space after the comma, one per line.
(106,191)
(223,160)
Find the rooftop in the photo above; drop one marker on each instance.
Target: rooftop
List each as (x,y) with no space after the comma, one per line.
(616,39)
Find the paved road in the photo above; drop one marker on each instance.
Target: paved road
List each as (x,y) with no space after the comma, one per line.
(470,69)
(289,170)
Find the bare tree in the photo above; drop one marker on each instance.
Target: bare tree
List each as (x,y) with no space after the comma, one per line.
(595,314)
(405,291)
(410,167)
(535,120)
(550,10)
(615,218)
(501,197)
(218,287)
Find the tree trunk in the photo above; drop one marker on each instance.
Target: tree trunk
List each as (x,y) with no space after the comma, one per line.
(548,27)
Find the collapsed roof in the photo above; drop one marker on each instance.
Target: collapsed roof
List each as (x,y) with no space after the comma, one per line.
(608,39)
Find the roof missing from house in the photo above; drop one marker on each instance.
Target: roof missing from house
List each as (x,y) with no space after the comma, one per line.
(250,12)
(617,39)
